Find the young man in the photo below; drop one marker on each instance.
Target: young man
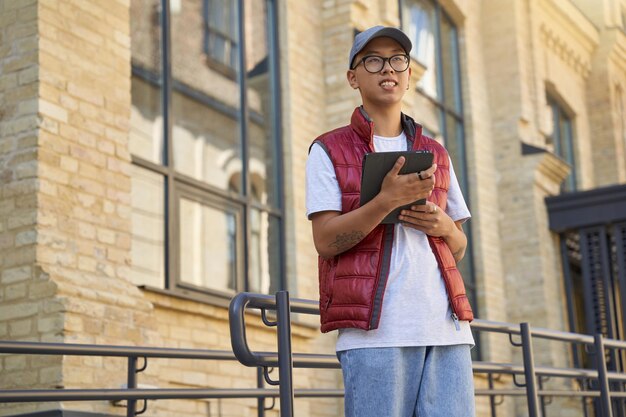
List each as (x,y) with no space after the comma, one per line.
(393,291)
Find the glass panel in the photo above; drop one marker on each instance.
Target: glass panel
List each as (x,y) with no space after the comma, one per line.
(567,140)
(148,227)
(563,142)
(146,119)
(219,15)
(222,17)
(205,106)
(454,142)
(208,246)
(551,141)
(420,21)
(263,175)
(450,65)
(264,247)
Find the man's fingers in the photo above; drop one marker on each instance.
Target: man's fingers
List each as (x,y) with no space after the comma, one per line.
(427,173)
(397,166)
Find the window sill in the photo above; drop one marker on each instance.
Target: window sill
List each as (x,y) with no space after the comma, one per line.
(219,67)
(216,306)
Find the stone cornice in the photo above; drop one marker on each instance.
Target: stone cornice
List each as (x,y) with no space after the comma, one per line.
(569,16)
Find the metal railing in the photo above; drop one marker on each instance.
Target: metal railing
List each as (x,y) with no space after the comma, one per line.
(286,360)
(131,393)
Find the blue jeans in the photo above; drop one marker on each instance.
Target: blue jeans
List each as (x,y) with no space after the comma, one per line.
(434,381)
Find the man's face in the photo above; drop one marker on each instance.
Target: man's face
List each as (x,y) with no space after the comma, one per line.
(386,86)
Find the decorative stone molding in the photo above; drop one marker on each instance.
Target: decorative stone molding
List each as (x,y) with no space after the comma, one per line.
(561,48)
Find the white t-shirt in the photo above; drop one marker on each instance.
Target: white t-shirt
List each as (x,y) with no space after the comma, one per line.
(416,311)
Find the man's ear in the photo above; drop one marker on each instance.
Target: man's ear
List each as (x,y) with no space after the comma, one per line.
(351,76)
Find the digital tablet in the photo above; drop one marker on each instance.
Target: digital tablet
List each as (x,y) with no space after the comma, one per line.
(377,164)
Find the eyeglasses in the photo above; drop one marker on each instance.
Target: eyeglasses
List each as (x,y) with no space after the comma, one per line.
(375,63)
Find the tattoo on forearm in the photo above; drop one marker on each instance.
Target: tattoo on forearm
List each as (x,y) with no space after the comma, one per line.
(458,254)
(345,241)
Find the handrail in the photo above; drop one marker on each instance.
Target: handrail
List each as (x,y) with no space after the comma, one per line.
(42,348)
(14,396)
(239,342)
(532,390)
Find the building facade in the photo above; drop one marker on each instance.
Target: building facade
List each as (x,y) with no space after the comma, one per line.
(152,159)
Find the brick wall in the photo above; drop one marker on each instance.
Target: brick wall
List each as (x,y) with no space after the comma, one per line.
(27,310)
(64,163)
(84,168)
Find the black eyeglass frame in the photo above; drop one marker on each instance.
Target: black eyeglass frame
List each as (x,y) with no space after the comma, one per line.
(384,60)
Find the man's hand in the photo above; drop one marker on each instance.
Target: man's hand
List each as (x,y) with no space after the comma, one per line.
(433,221)
(398,190)
(428,218)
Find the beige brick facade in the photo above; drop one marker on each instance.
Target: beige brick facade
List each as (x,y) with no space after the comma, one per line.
(66,178)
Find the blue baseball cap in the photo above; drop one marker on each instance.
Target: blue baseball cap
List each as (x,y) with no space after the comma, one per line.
(363,38)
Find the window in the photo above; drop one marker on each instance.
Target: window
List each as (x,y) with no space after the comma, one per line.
(207,206)
(220,34)
(562,140)
(435,45)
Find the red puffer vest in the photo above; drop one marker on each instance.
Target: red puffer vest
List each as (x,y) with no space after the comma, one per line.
(352,284)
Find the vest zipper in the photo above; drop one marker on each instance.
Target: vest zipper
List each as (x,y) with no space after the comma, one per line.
(455,318)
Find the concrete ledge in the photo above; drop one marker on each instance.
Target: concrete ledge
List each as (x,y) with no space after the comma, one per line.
(62,413)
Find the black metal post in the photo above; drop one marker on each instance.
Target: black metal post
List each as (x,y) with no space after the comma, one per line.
(603,381)
(542,399)
(131,384)
(260,402)
(529,371)
(285,359)
(492,398)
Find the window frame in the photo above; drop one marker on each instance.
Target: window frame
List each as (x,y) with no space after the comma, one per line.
(560,113)
(179,185)
(214,201)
